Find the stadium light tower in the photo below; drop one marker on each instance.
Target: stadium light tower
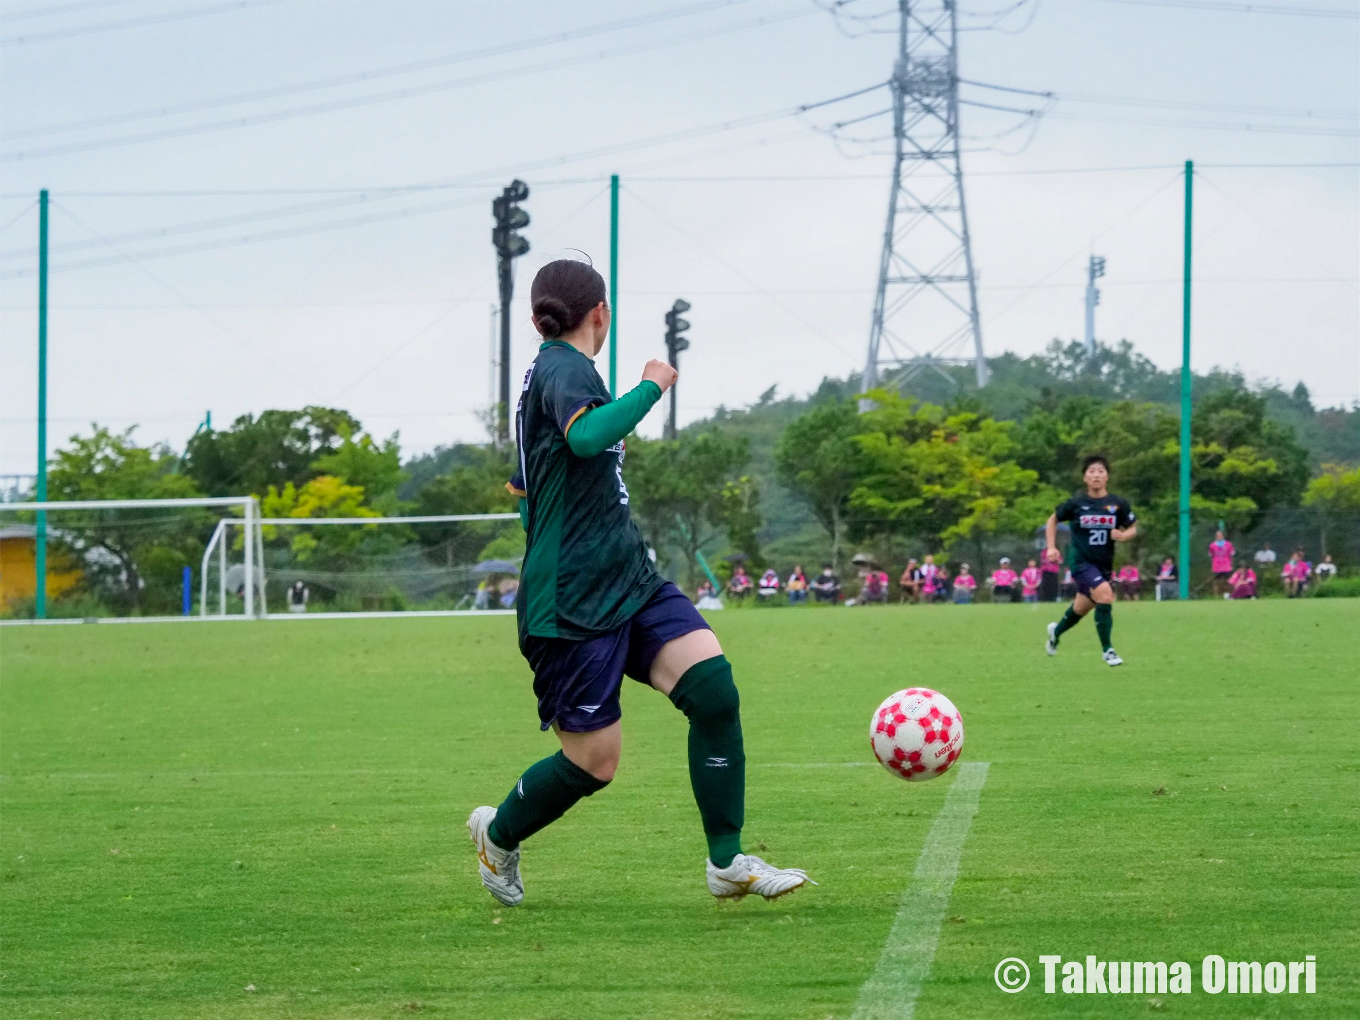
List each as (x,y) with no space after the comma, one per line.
(1095,269)
(925,308)
(509,245)
(675,343)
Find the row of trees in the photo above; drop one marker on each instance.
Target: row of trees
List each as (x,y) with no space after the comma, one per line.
(955,478)
(969,473)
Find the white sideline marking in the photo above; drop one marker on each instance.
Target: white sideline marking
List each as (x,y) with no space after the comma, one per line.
(241,618)
(904,965)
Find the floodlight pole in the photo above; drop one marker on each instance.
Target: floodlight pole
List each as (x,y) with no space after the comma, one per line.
(1186,382)
(40,532)
(613,284)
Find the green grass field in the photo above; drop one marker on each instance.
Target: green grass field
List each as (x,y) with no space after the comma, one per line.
(189,810)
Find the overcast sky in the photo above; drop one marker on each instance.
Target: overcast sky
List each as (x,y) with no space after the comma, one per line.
(235,226)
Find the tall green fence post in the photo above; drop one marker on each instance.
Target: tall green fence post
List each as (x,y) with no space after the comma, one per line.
(613,284)
(1184,570)
(40,536)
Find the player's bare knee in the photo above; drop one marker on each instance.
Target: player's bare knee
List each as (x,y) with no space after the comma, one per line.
(604,768)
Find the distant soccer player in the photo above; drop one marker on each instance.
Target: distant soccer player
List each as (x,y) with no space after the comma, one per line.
(1098,520)
(593,608)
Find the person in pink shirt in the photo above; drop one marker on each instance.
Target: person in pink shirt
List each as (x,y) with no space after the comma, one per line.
(964,586)
(1003,582)
(1030,578)
(929,578)
(1303,572)
(1221,553)
(1289,575)
(1130,582)
(1243,582)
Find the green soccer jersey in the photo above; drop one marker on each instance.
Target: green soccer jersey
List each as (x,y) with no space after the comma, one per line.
(1092,518)
(586,569)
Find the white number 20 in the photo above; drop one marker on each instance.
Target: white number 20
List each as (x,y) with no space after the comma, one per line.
(1099,538)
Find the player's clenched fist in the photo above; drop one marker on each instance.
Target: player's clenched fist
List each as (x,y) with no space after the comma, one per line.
(660,373)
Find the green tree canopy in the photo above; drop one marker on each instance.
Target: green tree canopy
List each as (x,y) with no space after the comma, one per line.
(130,558)
(818,458)
(680,491)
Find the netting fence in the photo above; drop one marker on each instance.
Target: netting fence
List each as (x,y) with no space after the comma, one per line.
(218,558)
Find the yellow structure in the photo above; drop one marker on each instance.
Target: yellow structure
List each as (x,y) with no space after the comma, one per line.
(18,573)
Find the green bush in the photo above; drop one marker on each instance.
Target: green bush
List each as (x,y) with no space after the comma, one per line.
(1338,588)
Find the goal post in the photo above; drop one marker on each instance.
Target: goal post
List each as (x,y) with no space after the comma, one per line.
(134,559)
(112,558)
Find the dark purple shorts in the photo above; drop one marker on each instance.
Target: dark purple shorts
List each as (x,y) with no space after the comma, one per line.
(578,682)
(1087,577)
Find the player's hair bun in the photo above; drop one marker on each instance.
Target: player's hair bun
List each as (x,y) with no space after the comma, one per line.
(552,316)
(563,293)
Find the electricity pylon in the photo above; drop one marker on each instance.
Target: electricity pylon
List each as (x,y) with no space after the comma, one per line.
(925,308)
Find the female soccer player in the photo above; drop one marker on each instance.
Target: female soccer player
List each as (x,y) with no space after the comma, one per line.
(593,608)
(1098,519)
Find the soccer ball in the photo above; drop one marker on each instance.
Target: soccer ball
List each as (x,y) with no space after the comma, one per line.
(916,734)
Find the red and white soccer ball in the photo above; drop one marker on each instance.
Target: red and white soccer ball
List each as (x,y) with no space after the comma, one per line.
(916,734)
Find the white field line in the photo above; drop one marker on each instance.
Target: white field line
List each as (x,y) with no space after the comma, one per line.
(239,618)
(893,987)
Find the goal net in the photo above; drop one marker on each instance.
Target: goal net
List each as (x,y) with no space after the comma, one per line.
(100,559)
(219,559)
(378,565)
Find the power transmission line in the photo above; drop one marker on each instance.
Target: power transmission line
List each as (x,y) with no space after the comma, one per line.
(153,19)
(359,77)
(43,12)
(410,92)
(1241,8)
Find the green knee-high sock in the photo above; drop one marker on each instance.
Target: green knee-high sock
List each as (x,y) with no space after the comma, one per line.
(717,762)
(542,796)
(1104,624)
(1070,619)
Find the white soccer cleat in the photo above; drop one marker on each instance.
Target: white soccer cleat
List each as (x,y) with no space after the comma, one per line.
(499,868)
(1052,646)
(1112,658)
(749,874)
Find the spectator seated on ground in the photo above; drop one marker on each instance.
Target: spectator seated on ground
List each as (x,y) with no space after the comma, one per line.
(1130,582)
(769,585)
(1326,570)
(942,588)
(827,587)
(1003,582)
(297,597)
(797,585)
(875,587)
(1296,574)
(910,582)
(930,578)
(707,597)
(964,586)
(1167,586)
(740,585)
(1030,579)
(1265,555)
(482,600)
(508,590)
(1242,583)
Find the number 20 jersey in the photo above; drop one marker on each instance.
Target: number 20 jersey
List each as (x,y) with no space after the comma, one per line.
(1091,520)
(586,570)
